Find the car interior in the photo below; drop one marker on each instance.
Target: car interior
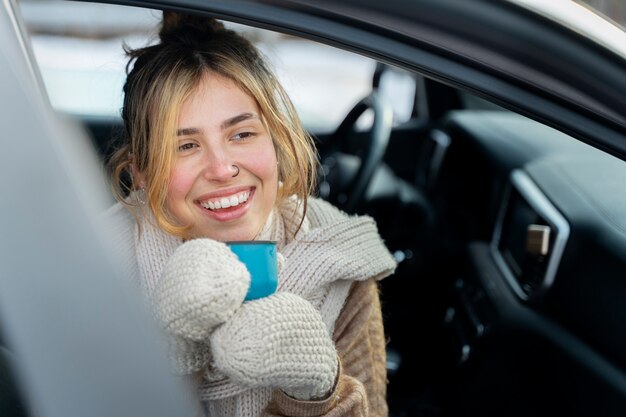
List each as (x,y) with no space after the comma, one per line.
(510,238)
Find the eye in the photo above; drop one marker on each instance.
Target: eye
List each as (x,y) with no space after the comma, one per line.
(243,136)
(187,146)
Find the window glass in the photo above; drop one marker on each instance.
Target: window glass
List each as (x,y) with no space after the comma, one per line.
(398,88)
(472,102)
(78,47)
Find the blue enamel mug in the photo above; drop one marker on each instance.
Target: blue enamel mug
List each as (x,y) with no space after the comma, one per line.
(260,258)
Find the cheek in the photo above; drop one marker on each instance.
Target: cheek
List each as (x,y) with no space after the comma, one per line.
(262,163)
(179,185)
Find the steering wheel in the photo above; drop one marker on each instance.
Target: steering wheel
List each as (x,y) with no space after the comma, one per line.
(344,177)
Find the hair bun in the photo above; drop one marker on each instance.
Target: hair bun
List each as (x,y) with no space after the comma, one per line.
(181,26)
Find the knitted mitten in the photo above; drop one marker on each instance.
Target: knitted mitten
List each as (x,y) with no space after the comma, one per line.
(202,286)
(279,342)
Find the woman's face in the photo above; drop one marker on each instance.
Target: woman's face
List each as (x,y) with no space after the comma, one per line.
(219,134)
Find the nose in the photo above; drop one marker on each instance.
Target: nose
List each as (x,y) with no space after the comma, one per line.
(219,166)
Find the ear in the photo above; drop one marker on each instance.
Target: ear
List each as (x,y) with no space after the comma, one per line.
(137,177)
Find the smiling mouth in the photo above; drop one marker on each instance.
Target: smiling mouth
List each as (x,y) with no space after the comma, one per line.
(226,202)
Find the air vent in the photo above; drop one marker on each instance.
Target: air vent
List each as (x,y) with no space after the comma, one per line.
(529,238)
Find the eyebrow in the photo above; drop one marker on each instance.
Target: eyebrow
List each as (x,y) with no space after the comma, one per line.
(237,119)
(225,124)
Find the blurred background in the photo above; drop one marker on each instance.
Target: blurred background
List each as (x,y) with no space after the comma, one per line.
(79,50)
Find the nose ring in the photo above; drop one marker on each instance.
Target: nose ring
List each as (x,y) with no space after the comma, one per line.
(237,168)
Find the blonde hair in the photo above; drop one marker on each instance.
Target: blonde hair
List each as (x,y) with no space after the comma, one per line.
(164,76)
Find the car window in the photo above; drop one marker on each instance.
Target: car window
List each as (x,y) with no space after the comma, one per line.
(78,47)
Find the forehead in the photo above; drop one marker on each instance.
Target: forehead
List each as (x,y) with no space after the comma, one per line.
(215,98)
(216,103)
(213,102)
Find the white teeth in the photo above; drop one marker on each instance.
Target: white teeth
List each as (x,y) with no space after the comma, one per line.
(225,202)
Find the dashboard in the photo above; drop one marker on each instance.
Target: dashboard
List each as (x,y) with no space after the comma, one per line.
(540,219)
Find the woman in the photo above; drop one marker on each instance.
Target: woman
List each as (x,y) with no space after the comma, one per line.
(215,152)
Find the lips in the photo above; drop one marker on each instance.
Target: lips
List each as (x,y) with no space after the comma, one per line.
(226,205)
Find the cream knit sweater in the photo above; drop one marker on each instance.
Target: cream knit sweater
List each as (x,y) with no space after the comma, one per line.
(329,253)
